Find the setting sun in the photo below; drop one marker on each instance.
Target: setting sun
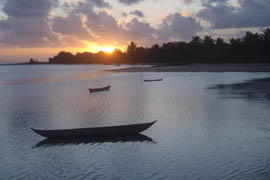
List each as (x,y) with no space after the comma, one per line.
(107,49)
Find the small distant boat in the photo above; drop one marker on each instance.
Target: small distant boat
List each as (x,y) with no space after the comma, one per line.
(106,88)
(95,131)
(148,80)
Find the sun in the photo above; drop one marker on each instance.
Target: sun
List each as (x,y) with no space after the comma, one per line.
(95,47)
(107,49)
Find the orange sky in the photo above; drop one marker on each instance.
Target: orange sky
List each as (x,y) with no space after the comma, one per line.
(18,54)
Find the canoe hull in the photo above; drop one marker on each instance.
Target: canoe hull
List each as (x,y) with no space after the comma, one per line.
(106,88)
(94,132)
(148,80)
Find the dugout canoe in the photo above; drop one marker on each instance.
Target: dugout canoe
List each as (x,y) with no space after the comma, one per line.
(148,80)
(95,131)
(106,88)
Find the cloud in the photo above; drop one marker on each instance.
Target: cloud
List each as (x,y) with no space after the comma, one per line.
(249,13)
(26,32)
(104,26)
(187,1)
(123,14)
(137,13)
(71,25)
(87,20)
(107,29)
(28,8)
(100,3)
(100,24)
(27,23)
(141,32)
(176,26)
(83,21)
(130,2)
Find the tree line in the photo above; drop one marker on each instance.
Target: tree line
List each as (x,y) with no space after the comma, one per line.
(252,48)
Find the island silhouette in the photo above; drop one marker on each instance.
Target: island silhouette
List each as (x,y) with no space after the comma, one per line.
(252,48)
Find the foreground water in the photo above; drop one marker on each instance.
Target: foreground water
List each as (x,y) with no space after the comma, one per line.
(201,133)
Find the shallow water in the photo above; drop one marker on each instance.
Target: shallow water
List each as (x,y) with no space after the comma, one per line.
(201,133)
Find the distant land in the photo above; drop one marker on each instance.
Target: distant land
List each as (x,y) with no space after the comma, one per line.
(209,67)
(252,48)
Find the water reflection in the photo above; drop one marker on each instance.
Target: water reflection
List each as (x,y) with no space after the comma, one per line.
(256,89)
(50,79)
(112,139)
(199,135)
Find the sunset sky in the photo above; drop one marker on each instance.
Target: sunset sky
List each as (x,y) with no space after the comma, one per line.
(41,28)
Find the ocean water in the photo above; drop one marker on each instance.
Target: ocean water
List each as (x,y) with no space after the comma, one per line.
(201,132)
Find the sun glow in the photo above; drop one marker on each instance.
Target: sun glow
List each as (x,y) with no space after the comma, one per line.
(107,49)
(95,48)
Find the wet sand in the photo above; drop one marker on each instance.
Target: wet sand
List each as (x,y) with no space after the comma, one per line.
(200,68)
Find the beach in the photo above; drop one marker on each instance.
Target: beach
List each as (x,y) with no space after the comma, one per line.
(199,68)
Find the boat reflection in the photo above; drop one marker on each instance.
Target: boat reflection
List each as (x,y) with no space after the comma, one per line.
(113,139)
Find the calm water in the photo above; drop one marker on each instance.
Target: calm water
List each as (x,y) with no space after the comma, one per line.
(201,133)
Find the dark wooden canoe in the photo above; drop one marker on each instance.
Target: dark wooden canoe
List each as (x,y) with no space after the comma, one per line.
(95,131)
(148,80)
(106,88)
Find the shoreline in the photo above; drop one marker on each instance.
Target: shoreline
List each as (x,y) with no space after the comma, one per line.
(199,68)
(196,67)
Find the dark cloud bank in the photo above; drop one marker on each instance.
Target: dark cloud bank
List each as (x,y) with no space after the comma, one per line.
(130,2)
(137,13)
(249,13)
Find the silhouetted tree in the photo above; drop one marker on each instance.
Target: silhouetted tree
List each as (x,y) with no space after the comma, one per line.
(220,43)
(196,42)
(63,58)
(208,42)
(33,61)
(131,49)
(251,48)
